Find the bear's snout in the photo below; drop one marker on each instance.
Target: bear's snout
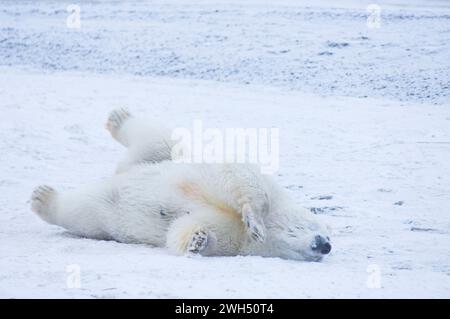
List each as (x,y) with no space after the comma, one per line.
(321,245)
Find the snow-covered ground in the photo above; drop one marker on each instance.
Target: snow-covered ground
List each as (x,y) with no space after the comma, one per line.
(376,168)
(322,47)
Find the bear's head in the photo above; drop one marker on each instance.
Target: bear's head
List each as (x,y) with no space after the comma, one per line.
(297,234)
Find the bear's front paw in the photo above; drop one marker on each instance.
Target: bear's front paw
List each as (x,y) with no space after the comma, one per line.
(253,224)
(199,242)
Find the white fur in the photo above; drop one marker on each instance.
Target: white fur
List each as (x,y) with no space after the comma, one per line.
(210,209)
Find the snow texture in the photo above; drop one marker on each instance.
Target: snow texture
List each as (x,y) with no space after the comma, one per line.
(364,124)
(317,47)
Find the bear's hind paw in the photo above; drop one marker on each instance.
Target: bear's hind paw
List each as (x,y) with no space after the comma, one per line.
(116,119)
(199,242)
(41,199)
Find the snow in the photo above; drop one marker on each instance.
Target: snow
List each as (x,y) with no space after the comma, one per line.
(375,168)
(322,47)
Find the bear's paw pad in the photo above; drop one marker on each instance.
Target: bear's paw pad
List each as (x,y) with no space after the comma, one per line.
(41,197)
(198,242)
(116,119)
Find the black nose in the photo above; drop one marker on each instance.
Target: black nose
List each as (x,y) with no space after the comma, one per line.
(325,248)
(321,245)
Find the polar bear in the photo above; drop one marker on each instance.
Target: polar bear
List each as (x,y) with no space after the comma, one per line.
(192,209)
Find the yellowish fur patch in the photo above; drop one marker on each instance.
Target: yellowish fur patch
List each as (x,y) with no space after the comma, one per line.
(196,193)
(185,238)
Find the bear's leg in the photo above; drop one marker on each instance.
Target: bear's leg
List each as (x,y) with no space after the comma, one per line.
(206,234)
(78,211)
(251,197)
(147,141)
(129,130)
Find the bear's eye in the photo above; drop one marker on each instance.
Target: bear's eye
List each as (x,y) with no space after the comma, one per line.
(291,233)
(279,227)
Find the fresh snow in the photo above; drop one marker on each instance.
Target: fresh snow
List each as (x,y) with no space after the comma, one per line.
(322,47)
(375,168)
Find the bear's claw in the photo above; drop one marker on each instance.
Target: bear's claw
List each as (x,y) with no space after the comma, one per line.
(254,227)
